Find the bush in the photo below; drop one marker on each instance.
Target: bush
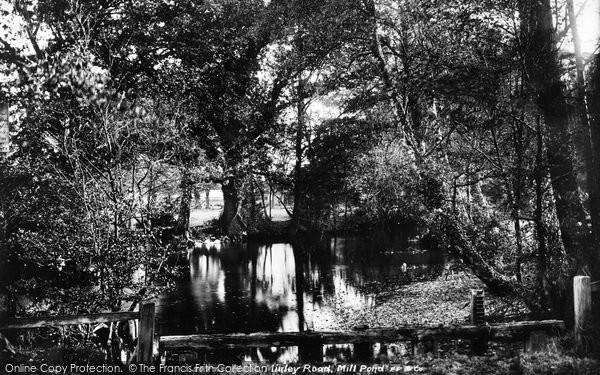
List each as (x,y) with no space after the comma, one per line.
(550,362)
(556,362)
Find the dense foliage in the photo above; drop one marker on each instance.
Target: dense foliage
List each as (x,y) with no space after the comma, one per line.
(476,121)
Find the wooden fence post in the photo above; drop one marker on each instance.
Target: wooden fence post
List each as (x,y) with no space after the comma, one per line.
(363,351)
(146,333)
(478,346)
(582,298)
(477,310)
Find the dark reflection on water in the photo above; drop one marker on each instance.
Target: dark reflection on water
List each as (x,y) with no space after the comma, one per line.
(287,286)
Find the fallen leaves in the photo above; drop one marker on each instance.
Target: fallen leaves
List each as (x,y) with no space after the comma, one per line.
(428,302)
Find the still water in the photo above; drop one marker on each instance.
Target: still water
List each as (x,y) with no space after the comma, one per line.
(287,287)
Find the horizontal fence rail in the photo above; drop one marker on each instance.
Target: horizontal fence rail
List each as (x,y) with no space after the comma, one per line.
(501,332)
(310,343)
(52,321)
(144,351)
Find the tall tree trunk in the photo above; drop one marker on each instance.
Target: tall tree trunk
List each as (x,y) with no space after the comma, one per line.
(271,201)
(3,248)
(233,160)
(187,189)
(541,63)
(540,229)
(592,163)
(376,49)
(517,189)
(231,202)
(4,300)
(594,110)
(301,124)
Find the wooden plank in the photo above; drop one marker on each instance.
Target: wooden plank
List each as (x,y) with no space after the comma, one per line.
(493,331)
(506,331)
(146,333)
(53,321)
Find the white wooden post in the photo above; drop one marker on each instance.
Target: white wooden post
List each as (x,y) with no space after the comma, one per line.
(582,298)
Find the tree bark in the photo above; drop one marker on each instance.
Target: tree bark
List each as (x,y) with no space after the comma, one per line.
(457,243)
(540,229)
(587,145)
(543,76)
(594,110)
(231,204)
(376,50)
(301,124)
(187,189)
(517,190)
(4,300)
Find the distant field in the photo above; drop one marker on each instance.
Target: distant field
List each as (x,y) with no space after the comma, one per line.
(199,216)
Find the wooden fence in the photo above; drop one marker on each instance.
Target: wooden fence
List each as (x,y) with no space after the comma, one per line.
(145,327)
(419,336)
(533,333)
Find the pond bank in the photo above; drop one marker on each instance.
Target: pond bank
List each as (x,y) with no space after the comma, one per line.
(446,302)
(438,301)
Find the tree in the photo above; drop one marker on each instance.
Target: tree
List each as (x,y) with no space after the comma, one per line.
(220,45)
(594,121)
(80,146)
(544,79)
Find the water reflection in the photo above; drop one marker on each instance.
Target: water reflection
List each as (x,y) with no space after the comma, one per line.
(285,287)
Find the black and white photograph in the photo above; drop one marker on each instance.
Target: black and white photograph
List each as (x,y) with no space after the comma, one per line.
(300,187)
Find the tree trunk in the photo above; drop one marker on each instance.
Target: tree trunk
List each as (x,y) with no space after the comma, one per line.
(594,109)
(518,144)
(457,243)
(301,117)
(376,50)
(592,163)
(271,201)
(541,63)
(540,229)
(187,189)
(231,204)
(3,251)
(454,194)
(4,300)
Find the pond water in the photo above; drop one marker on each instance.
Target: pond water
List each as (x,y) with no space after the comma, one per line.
(288,287)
